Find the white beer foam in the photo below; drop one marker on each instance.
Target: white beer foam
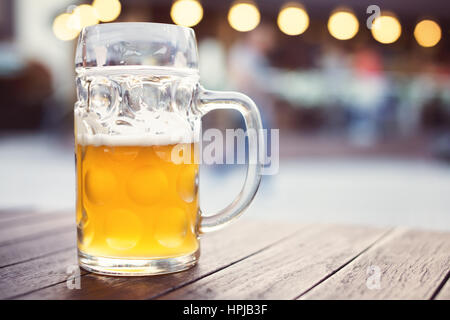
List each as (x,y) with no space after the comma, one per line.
(132,140)
(167,128)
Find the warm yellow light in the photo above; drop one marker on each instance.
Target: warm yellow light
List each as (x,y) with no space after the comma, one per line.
(84,16)
(293,20)
(186,13)
(427,33)
(343,25)
(386,29)
(107,10)
(243,16)
(63,29)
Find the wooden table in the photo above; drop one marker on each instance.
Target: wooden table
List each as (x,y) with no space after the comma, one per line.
(249,260)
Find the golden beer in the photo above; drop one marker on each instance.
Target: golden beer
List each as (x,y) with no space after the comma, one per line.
(135,202)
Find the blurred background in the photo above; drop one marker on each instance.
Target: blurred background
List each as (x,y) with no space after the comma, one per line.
(364,114)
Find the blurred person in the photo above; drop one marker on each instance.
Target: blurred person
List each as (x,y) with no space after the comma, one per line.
(139,12)
(375,108)
(372,108)
(251,72)
(25,87)
(368,67)
(367,61)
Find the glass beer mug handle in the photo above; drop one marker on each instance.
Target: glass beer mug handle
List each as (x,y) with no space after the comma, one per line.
(213,100)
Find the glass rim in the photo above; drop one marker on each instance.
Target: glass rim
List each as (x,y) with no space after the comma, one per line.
(137,43)
(159,24)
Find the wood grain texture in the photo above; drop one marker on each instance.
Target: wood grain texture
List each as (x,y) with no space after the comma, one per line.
(7,214)
(287,268)
(36,217)
(23,232)
(248,260)
(35,248)
(35,274)
(218,250)
(412,264)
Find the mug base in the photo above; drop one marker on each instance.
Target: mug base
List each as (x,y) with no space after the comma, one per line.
(136,267)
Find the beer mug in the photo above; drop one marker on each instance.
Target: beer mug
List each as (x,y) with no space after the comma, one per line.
(139,106)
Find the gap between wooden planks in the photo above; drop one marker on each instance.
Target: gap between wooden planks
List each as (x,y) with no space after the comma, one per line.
(218,250)
(407,264)
(286,268)
(342,251)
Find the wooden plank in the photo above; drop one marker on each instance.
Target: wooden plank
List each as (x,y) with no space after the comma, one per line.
(444,293)
(286,269)
(37,217)
(35,248)
(13,213)
(219,250)
(410,265)
(30,231)
(35,274)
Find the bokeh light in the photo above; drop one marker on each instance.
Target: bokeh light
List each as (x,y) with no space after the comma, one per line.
(244,16)
(85,16)
(343,25)
(186,13)
(63,27)
(107,10)
(386,29)
(427,33)
(293,19)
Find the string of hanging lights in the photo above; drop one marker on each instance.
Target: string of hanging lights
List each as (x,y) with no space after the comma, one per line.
(244,16)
